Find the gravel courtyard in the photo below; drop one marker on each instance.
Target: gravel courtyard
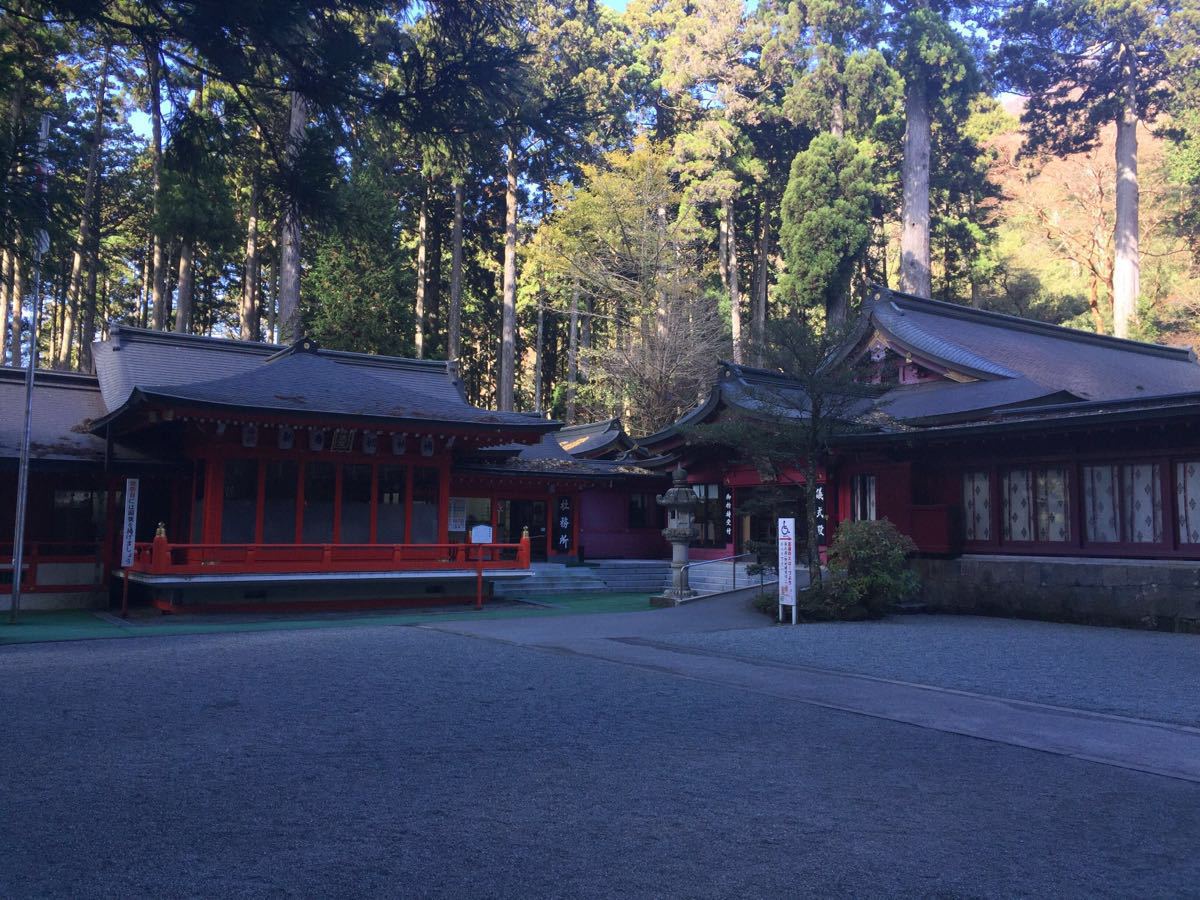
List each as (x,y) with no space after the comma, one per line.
(408,762)
(1131,673)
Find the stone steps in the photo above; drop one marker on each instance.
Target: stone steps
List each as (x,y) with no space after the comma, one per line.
(551,578)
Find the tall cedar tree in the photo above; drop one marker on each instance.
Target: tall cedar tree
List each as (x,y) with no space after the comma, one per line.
(1084,64)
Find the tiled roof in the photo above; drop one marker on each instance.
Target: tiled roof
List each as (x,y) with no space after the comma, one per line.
(1089,366)
(591,437)
(136,364)
(547,457)
(62,405)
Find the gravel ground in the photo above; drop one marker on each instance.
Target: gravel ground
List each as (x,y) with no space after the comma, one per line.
(407,762)
(1131,673)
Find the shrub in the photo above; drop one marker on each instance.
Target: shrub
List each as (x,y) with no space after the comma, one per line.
(868,572)
(868,568)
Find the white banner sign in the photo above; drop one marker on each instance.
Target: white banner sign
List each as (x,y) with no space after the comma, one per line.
(787,562)
(129,526)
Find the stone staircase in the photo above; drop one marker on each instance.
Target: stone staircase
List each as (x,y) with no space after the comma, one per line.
(551,578)
(628,576)
(719,577)
(633,575)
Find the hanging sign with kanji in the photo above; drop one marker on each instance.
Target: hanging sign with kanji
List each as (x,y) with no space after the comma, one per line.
(819,493)
(564,525)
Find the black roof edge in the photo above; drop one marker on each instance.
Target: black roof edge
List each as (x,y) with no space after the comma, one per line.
(697,411)
(258,347)
(1032,326)
(51,376)
(978,429)
(139,396)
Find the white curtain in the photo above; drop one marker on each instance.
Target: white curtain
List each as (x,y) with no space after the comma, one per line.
(1141,506)
(977,506)
(1187,491)
(1100,504)
(1018,505)
(1053,522)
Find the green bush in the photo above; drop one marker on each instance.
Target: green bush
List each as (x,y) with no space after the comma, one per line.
(868,571)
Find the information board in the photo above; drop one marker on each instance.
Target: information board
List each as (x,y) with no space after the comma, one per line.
(129,524)
(787,566)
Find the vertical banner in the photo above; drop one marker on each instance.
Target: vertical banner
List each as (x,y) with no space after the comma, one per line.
(819,493)
(787,567)
(129,524)
(564,525)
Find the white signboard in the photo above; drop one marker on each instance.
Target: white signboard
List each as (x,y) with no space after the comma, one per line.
(458,514)
(129,526)
(481,534)
(787,566)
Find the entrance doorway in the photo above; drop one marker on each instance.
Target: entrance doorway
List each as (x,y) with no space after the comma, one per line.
(759,511)
(513,516)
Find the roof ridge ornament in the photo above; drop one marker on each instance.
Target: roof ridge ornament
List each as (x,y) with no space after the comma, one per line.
(301,345)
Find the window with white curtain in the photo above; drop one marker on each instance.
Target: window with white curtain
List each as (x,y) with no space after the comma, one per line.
(1123,503)
(977,506)
(1036,505)
(862,498)
(1187,496)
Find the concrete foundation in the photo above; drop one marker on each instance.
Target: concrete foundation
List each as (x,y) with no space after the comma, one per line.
(1162,595)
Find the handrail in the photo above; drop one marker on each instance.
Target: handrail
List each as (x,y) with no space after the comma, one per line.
(705,562)
(729,559)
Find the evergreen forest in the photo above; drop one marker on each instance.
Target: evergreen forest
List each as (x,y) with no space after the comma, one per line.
(586,205)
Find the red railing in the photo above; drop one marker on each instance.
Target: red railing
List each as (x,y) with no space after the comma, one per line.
(162,558)
(38,553)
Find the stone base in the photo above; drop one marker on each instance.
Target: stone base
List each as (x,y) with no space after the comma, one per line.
(1163,595)
(664,600)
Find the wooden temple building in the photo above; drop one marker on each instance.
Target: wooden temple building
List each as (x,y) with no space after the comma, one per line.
(1029,462)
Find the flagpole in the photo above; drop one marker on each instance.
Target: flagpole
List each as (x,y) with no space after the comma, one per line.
(41,246)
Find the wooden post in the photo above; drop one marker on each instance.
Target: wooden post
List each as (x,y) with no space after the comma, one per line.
(125,594)
(160,555)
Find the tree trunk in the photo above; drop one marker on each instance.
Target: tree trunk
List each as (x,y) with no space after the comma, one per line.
(759,317)
(508,320)
(454,338)
(249,310)
(1126,262)
(185,295)
(289,262)
(144,315)
(723,244)
(433,270)
(6,298)
(422,271)
(88,333)
(837,101)
(914,173)
(18,295)
(158,302)
(62,355)
(573,354)
(539,357)
(735,298)
(271,294)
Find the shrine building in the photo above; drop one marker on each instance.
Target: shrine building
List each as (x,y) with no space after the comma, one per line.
(1039,469)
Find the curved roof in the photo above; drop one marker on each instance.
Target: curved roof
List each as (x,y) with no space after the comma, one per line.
(994,345)
(136,366)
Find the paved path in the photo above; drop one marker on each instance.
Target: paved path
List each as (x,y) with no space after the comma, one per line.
(390,761)
(1108,670)
(665,642)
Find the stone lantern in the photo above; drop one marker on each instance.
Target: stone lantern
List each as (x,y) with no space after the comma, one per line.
(680,502)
